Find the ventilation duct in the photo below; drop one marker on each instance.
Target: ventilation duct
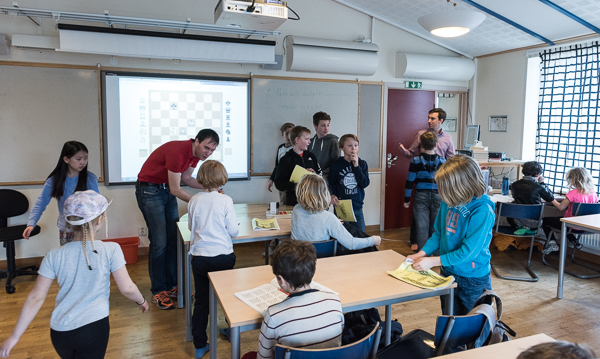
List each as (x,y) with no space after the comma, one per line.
(162,45)
(443,68)
(307,54)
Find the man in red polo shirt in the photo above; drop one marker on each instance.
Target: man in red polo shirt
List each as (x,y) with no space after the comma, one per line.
(157,189)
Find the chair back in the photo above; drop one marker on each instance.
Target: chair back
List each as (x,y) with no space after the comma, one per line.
(452,331)
(584,209)
(365,348)
(520,211)
(326,249)
(12,204)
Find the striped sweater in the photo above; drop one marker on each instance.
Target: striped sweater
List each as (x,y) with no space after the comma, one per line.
(310,319)
(421,173)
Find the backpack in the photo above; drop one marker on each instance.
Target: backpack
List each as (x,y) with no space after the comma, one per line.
(360,323)
(495,331)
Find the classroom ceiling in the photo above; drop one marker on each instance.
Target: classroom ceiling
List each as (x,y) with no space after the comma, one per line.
(493,35)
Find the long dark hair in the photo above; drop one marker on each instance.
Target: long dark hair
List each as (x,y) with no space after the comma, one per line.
(59,174)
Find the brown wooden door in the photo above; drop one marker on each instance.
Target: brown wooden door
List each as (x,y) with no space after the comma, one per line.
(407,114)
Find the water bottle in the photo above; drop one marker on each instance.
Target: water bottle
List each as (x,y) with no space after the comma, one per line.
(505,186)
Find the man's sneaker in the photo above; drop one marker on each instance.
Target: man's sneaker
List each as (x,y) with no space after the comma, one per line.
(163,301)
(172,293)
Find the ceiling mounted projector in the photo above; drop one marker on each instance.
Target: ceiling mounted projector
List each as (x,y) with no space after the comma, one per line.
(267,14)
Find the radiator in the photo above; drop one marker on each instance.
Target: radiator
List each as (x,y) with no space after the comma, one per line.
(591,242)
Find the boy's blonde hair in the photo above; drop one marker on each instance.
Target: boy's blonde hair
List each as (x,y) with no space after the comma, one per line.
(212,174)
(459,180)
(581,179)
(345,138)
(312,194)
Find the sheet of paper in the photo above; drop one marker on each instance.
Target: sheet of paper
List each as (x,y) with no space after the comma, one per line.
(298,173)
(264,224)
(422,279)
(344,210)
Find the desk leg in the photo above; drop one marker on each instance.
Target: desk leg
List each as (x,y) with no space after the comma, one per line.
(212,321)
(561,262)
(450,302)
(388,324)
(180,261)
(188,291)
(266,252)
(235,343)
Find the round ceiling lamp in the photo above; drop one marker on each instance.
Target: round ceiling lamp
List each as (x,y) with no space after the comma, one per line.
(451,23)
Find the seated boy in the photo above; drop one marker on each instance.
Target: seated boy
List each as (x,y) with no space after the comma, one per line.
(308,318)
(531,189)
(348,178)
(299,155)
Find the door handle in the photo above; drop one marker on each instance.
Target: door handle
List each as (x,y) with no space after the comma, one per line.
(390,160)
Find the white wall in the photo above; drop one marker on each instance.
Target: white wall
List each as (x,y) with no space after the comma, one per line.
(500,90)
(323,19)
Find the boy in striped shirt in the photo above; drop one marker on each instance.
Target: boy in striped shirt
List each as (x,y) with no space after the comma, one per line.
(421,174)
(307,318)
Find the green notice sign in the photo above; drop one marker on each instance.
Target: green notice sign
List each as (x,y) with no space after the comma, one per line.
(413,84)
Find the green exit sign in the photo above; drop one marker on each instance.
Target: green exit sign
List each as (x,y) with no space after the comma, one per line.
(413,84)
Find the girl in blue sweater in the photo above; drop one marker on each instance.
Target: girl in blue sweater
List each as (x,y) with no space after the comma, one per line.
(69,175)
(463,231)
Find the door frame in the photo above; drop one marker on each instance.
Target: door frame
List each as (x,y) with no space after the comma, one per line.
(464,111)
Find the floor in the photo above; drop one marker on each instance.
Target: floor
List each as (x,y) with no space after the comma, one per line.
(529,308)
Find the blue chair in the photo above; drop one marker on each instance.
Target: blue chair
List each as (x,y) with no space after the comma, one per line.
(326,248)
(451,332)
(365,348)
(579,209)
(519,211)
(12,204)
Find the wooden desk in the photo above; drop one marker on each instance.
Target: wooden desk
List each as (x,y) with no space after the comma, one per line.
(244,213)
(361,280)
(590,223)
(514,163)
(504,350)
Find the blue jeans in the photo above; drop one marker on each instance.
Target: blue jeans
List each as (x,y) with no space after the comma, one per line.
(467,291)
(360,220)
(161,214)
(425,209)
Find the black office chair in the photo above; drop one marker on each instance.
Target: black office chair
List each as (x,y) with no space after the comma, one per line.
(12,204)
(519,211)
(579,209)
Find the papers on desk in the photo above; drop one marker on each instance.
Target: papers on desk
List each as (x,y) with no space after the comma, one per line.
(344,210)
(500,198)
(298,173)
(264,224)
(279,214)
(422,279)
(262,297)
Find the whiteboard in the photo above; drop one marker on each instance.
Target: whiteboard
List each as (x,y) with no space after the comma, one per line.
(40,109)
(276,101)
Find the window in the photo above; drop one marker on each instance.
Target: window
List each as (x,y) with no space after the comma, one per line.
(568,125)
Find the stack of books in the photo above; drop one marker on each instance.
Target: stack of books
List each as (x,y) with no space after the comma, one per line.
(480,153)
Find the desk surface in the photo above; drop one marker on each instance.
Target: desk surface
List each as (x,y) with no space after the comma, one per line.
(505,350)
(244,213)
(591,221)
(342,274)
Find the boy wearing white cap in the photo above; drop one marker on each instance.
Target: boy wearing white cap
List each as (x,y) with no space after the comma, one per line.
(79,323)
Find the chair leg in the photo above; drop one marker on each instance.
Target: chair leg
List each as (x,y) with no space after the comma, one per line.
(11,269)
(532,275)
(583,276)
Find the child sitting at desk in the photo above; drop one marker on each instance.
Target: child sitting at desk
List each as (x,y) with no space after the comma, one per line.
(307,318)
(311,220)
(212,223)
(530,189)
(584,191)
(463,231)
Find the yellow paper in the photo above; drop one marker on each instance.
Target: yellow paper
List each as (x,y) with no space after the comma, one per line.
(344,210)
(423,279)
(264,224)
(298,173)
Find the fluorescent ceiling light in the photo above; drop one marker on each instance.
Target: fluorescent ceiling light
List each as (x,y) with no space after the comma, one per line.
(451,23)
